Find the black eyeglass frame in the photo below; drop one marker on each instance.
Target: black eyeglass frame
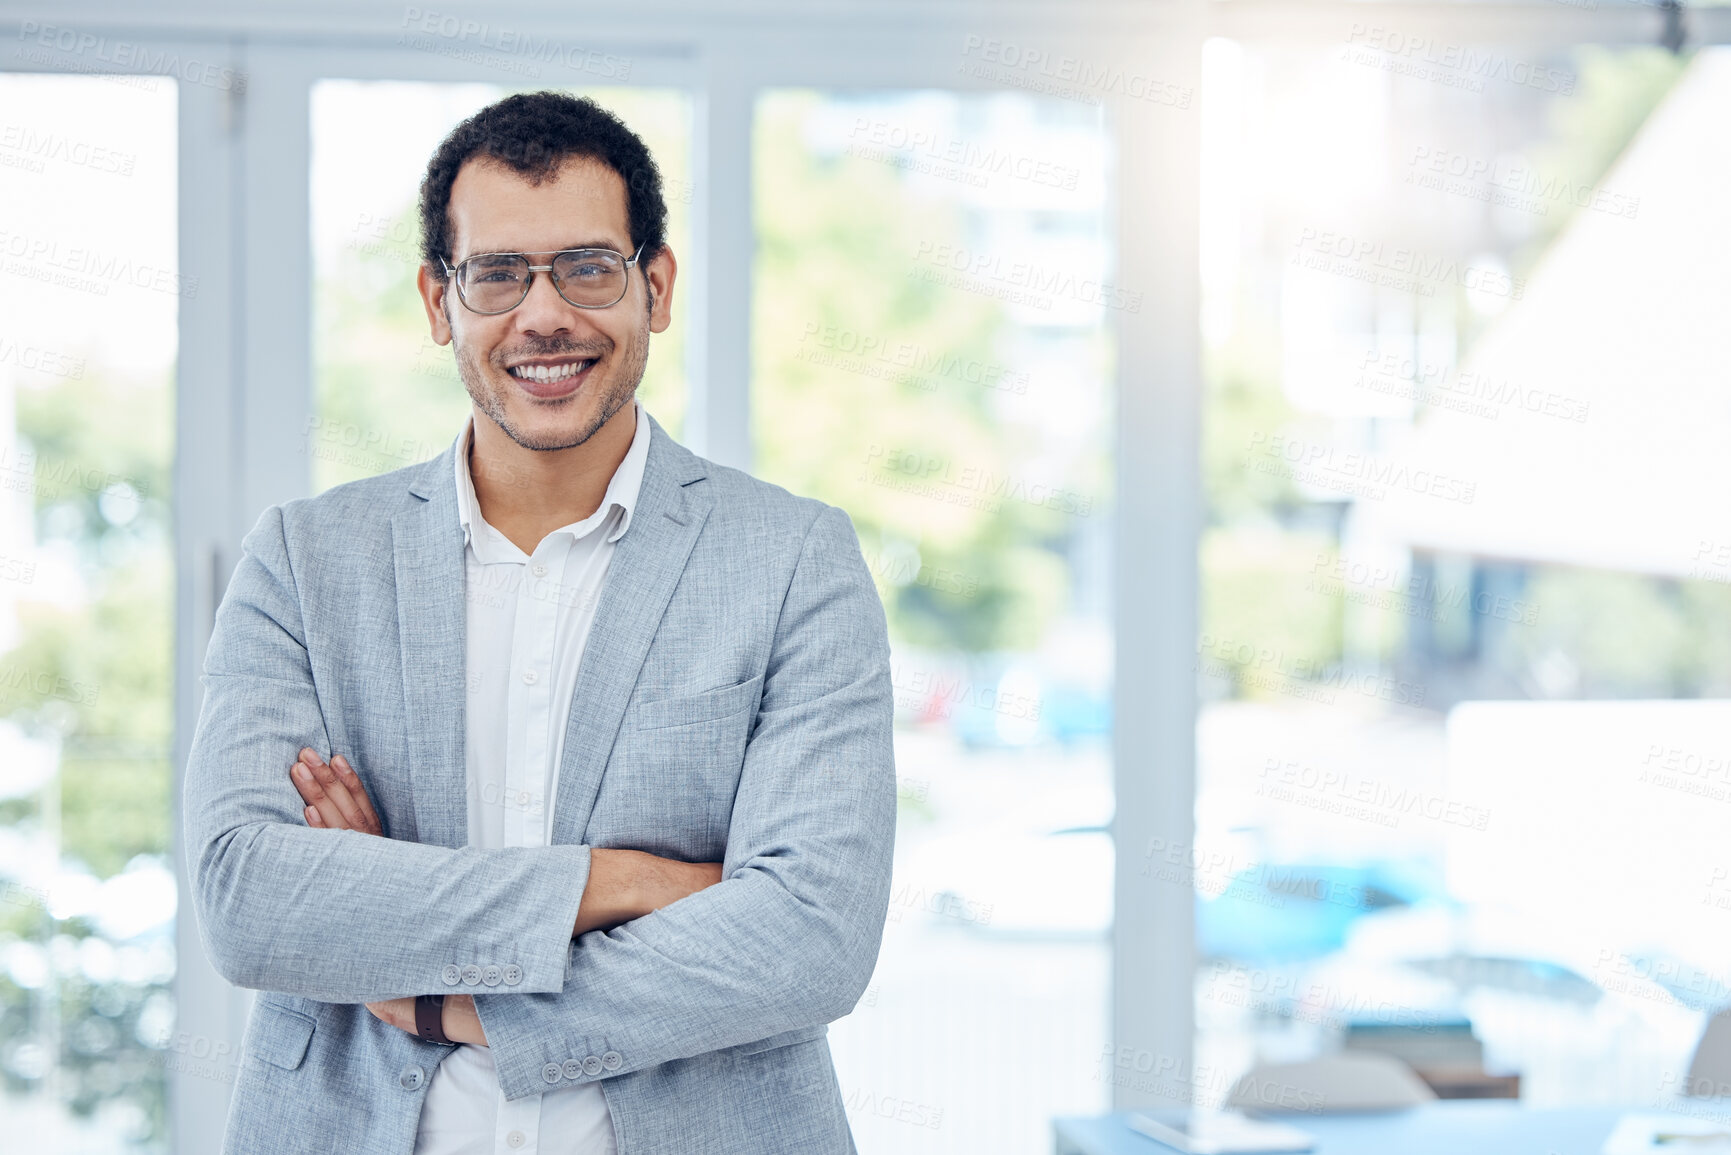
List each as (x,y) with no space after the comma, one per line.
(452,271)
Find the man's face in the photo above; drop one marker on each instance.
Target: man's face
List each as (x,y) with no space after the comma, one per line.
(548,373)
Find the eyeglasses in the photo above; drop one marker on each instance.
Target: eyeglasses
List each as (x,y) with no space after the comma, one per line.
(498,282)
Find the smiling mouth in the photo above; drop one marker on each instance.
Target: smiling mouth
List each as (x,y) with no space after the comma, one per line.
(550,374)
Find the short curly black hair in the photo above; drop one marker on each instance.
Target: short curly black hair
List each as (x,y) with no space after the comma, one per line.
(533,133)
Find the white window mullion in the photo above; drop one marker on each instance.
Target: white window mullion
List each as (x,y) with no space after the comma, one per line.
(718,414)
(1159,502)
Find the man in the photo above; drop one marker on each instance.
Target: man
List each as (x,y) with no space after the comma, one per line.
(588,735)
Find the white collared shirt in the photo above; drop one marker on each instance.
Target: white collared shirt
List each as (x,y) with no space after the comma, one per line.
(528,618)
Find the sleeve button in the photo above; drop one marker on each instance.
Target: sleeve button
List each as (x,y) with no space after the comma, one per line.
(513,975)
(550,1073)
(573,1069)
(472,975)
(491,976)
(452,975)
(612,1060)
(592,1066)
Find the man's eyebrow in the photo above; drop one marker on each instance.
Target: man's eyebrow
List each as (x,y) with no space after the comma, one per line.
(590,244)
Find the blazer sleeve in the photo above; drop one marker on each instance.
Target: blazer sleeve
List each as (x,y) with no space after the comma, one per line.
(789,938)
(336,915)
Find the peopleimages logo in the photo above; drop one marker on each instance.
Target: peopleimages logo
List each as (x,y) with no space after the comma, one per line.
(1408,270)
(1264,667)
(1510,183)
(864,352)
(1392,587)
(1304,1000)
(1384,802)
(966,156)
(959,483)
(983,270)
(85,269)
(125,56)
(1068,76)
(36,148)
(19,680)
(1474,392)
(39,360)
(457,31)
(1453,65)
(1349,472)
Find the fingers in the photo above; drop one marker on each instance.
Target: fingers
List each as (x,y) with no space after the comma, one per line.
(461,1022)
(320,810)
(399,1013)
(359,793)
(331,801)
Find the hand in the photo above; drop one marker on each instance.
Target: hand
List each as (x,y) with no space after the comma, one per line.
(460,1021)
(335,799)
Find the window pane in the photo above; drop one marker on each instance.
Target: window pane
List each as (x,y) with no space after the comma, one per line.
(1465,599)
(930,353)
(386,396)
(88,304)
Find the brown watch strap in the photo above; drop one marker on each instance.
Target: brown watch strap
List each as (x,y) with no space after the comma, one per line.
(430,1018)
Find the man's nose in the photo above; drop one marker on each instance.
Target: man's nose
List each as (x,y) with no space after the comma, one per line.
(544,310)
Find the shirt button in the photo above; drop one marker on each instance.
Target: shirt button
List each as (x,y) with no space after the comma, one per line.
(515,1139)
(471,975)
(452,974)
(513,975)
(540,571)
(573,1069)
(412,1078)
(492,975)
(550,1073)
(592,1065)
(612,1060)
(529,677)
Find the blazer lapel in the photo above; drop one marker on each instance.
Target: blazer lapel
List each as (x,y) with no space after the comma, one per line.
(646,565)
(427,541)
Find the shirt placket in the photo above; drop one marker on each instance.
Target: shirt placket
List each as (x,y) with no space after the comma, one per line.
(492,582)
(517,1127)
(528,760)
(537,636)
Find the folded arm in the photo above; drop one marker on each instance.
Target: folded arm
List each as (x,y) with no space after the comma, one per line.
(336,915)
(789,937)
(623,884)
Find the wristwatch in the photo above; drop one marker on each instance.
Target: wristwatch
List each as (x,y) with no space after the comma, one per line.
(430,1018)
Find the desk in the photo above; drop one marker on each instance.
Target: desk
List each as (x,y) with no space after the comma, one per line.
(1446,1127)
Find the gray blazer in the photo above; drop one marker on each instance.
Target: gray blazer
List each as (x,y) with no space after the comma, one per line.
(733,705)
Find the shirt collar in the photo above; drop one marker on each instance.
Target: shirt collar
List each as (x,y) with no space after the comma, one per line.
(622,489)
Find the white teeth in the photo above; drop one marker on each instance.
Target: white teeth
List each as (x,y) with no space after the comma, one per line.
(556,373)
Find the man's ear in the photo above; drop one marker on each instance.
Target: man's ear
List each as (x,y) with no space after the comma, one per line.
(658,278)
(435,297)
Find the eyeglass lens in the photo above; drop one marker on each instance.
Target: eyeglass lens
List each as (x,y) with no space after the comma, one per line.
(592,278)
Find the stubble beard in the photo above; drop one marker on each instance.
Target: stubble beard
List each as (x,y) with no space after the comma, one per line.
(618,392)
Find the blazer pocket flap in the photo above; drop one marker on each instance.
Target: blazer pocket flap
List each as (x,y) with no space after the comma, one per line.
(689,708)
(785,1039)
(283,1036)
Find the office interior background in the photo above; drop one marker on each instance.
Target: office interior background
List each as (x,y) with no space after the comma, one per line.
(1287,436)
